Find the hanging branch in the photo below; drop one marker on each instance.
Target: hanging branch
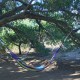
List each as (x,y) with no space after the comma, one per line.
(46,31)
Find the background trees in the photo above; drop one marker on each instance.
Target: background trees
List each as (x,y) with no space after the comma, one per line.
(53,19)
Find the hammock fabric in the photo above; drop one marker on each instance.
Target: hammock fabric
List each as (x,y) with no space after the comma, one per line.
(24,65)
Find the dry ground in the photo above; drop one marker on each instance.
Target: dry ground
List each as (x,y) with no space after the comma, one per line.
(9,71)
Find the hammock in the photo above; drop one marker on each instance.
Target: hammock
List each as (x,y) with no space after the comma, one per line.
(24,65)
(38,68)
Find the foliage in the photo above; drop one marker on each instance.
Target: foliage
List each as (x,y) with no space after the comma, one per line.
(27,35)
(59,16)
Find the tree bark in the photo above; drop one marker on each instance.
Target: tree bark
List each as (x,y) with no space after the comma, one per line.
(19,48)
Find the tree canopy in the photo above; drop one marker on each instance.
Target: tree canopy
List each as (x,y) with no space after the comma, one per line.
(62,14)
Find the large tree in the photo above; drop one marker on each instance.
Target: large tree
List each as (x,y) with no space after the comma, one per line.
(61,13)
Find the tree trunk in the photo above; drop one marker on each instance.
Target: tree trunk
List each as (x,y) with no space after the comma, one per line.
(19,48)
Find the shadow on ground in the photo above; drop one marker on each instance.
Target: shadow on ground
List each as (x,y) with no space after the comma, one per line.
(9,71)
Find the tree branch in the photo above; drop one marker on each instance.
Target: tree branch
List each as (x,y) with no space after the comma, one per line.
(13,12)
(25,4)
(12,27)
(24,15)
(71,14)
(73,36)
(46,31)
(17,9)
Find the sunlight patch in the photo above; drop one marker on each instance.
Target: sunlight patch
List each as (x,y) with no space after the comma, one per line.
(9,68)
(0,67)
(12,71)
(76,73)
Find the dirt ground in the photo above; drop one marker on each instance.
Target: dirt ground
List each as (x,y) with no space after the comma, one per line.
(9,71)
